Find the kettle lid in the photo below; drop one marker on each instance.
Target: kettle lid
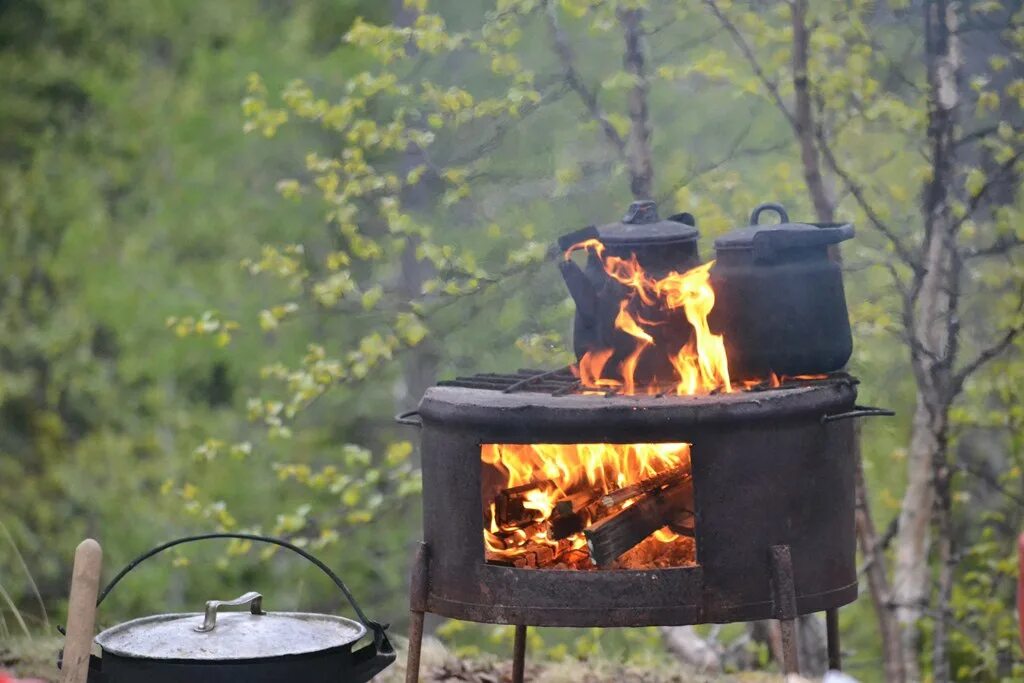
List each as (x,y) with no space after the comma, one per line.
(209,636)
(641,226)
(767,239)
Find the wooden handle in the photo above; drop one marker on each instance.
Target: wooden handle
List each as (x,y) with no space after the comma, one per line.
(85,586)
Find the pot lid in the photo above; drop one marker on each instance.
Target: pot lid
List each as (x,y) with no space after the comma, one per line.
(768,239)
(230,636)
(642,226)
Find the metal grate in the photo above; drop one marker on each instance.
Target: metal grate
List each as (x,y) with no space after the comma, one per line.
(562,381)
(556,382)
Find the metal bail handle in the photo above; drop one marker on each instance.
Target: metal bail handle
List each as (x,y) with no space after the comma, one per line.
(858,411)
(253,599)
(380,639)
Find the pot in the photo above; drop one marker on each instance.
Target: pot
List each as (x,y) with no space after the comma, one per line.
(779,299)
(660,246)
(252,646)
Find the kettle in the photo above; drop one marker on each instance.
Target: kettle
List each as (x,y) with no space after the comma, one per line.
(659,246)
(779,298)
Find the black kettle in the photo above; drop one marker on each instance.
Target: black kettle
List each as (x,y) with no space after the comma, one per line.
(660,246)
(779,299)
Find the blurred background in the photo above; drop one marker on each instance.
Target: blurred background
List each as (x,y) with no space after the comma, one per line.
(239,236)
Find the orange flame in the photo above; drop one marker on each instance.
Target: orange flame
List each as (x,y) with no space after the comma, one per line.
(579,473)
(701,364)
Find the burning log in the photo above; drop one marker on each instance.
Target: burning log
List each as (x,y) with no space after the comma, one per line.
(613,536)
(658,481)
(509,508)
(568,518)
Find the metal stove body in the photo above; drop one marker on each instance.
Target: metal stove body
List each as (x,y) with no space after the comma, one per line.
(773,479)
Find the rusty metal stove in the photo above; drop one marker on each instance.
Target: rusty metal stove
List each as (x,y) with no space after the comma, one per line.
(773,481)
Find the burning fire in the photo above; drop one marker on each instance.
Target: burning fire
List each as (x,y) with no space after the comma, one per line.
(700,365)
(580,483)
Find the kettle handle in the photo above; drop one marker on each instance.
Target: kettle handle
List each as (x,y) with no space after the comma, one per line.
(769,206)
(381,644)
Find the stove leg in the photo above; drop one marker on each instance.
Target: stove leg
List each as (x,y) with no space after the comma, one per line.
(832,630)
(784,597)
(417,609)
(519,655)
(412,662)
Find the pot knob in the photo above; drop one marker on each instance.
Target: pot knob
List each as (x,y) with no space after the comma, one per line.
(252,598)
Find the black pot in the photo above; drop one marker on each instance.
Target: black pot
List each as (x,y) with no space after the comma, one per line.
(660,246)
(779,299)
(240,647)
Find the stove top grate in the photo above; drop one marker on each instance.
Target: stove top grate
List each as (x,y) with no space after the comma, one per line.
(562,381)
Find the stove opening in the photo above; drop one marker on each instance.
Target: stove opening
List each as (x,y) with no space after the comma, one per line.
(588,506)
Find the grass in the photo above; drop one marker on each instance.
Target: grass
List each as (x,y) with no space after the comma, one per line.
(30,656)
(8,607)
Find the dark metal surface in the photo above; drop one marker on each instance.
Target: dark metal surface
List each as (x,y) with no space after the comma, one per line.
(328,666)
(766,472)
(835,662)
(859,411)
(779,299)
(519,655)
(530,417)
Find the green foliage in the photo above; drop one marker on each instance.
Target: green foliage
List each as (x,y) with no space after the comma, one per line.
(204,329)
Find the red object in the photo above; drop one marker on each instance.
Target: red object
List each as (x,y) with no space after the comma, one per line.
(1020,588)
(6,678)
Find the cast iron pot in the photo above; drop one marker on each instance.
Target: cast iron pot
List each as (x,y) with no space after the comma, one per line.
(779,299)
(240,647)
(660,246)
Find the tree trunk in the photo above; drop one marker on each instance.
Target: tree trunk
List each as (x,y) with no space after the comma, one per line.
(935,297)
(803,117)
(910,576)
(878,577)
(638,148)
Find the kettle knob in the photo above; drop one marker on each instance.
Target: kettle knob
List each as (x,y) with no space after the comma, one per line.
(642,211)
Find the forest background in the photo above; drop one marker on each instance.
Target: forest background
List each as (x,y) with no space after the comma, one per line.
(238,237)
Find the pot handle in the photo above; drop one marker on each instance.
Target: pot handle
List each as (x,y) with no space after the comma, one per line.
(382,650)
(409,417)
(252,599)
(858,411)
(768,206)
(767,244)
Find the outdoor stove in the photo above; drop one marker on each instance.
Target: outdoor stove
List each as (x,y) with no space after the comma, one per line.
(596,495)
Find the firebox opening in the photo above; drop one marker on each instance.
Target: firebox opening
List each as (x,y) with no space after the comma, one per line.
(588,505)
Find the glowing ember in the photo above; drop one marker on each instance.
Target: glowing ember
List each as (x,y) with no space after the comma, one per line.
(700,364)
(590,481)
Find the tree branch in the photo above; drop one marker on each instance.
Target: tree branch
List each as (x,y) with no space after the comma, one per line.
(748,53)
(989,353)
(991,181)
(803,117)
(902,251)
(638,151)
(567,58)
(707,167)
(998,248)
(826,151)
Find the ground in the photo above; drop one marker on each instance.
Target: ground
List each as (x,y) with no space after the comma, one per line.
(35,659)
